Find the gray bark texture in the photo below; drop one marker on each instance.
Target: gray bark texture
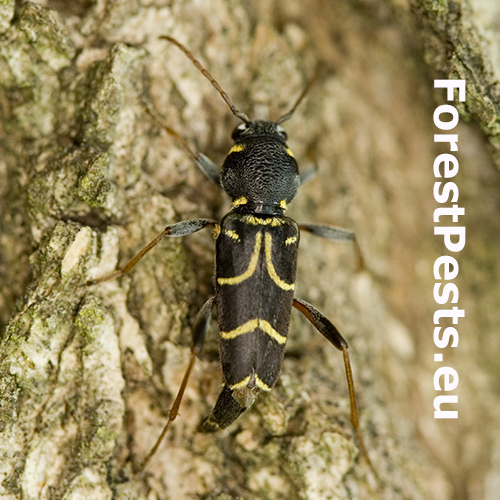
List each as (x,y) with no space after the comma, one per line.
(88,374)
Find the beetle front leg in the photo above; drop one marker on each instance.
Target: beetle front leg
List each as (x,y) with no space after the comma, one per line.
(208,167)
(183,228)
(330,332)
(204,163)
(308,174)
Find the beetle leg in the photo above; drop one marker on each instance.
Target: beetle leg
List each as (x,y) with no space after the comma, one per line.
(306,175)
(335,234)
(328,232)
(183,228)
(205,164)
(330,332)
(200,330)
(208,167)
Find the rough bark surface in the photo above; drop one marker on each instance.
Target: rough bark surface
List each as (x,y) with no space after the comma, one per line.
(87,374)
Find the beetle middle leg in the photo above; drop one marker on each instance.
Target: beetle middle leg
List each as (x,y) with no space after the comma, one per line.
(335,234)
(183,228)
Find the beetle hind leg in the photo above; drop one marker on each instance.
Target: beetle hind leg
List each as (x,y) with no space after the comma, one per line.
(330,332)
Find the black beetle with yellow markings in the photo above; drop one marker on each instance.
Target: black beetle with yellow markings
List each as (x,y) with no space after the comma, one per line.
(256,259)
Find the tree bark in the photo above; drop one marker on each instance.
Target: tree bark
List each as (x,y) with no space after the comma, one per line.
(88,373)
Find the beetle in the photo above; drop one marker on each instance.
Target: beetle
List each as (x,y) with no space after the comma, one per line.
(255,265)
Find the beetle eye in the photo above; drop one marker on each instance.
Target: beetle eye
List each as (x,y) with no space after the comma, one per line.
(281,132)
(238,130)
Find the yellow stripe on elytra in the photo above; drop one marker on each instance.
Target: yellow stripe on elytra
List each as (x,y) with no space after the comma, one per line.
(257,221)
(254,260)
(236,148)
(252,325)
(251,266)
(289,152)
(270,268)
(244,383)
(241,383)
(261,385)
(232,234)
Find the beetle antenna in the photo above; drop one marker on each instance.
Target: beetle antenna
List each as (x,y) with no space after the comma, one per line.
(289,114)
(236,112)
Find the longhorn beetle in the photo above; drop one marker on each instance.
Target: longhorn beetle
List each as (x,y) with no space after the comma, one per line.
(255,265)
